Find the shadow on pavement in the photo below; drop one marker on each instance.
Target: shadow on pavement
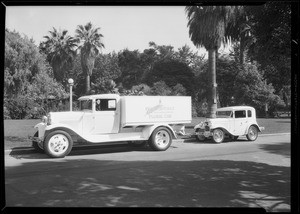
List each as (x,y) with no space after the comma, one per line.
(30,153)
(104,183)
(283,149)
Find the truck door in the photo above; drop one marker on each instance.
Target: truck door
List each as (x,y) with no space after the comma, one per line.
(106,116)
(240,122)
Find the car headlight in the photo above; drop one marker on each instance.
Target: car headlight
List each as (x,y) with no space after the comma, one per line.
(200,125)
(44,119)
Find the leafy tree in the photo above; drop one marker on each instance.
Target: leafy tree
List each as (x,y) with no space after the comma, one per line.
(271,27)
(90,46)
(251,89)
(131,65)
(60,50)
(28,78)
(172,72)
(207,27)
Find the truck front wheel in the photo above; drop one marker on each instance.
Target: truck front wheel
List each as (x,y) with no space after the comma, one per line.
(160,139)
(58,144)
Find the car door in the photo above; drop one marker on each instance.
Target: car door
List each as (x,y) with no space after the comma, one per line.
(106,117)
(240,122)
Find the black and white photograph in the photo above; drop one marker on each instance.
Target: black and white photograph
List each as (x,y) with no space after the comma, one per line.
(149,106)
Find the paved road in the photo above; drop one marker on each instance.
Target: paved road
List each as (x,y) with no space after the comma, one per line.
(188,174)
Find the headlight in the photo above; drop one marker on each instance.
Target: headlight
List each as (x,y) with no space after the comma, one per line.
(44,119)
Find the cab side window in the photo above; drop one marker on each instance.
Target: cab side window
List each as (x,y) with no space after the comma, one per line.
(249,113)
(240,114)
(105,104)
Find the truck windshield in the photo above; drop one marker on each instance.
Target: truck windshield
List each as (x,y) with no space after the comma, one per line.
(224,114)
(85,105)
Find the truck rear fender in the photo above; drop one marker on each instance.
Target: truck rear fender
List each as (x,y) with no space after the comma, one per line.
(147,131)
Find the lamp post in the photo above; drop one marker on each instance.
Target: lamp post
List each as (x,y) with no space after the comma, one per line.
(71,83)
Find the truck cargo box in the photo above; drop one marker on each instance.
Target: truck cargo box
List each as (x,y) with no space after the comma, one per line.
(147,110)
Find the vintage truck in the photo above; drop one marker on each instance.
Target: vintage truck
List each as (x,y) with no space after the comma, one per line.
(230,122)
(110,118)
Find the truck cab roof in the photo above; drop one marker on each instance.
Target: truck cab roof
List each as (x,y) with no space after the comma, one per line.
(99,96)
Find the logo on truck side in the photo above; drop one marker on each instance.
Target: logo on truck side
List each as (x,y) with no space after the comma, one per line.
(160,111)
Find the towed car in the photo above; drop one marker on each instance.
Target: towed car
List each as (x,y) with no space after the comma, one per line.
(230,122)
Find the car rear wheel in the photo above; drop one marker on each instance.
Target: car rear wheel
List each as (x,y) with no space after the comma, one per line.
(218,136)
(252,133)
(160,139)
(58,144)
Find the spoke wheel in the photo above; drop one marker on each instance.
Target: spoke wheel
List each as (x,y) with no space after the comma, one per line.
(218,136)
(160,139)
(200,138)
(58,144)
(252,133)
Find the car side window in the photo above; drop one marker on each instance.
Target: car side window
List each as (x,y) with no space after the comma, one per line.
(105,104)
(249,113)
(240,114)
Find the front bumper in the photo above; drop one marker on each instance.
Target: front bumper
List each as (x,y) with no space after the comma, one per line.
(36,139)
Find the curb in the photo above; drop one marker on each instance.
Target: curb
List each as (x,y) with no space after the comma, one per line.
(32,150)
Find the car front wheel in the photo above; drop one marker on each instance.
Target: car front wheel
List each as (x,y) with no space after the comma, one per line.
(218,136)
(252,133)
(58,144)
(200,138)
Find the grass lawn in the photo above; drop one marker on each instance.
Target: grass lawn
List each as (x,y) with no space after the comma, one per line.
(16,131)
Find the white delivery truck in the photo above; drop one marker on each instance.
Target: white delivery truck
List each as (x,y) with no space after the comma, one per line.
(110,118)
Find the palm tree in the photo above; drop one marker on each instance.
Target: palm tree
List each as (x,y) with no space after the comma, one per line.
(90,46)
(60,49)
(207,28)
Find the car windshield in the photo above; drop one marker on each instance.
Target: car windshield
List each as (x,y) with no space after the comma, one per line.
(224,114)
(85,105)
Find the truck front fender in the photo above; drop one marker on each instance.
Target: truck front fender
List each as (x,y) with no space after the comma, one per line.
(147,131)
(58,126)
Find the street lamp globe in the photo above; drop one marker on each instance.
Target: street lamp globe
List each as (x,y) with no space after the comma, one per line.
(71,81)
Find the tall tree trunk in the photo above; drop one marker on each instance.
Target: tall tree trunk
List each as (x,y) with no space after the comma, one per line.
(212,102)
(242,50)
(87,87)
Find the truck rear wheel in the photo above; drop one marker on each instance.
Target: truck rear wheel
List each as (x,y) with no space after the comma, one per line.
(160,139)
(58,144)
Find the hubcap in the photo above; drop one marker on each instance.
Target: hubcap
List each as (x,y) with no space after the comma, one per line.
(162,138)
(58,144)
(218,135)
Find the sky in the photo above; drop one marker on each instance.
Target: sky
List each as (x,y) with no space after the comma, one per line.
(131,27)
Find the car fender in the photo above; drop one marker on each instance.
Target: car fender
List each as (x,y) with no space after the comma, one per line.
(222,128)
(253,124)
(147,131)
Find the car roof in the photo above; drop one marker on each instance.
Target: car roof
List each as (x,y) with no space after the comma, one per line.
(99,96)
(232,108)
